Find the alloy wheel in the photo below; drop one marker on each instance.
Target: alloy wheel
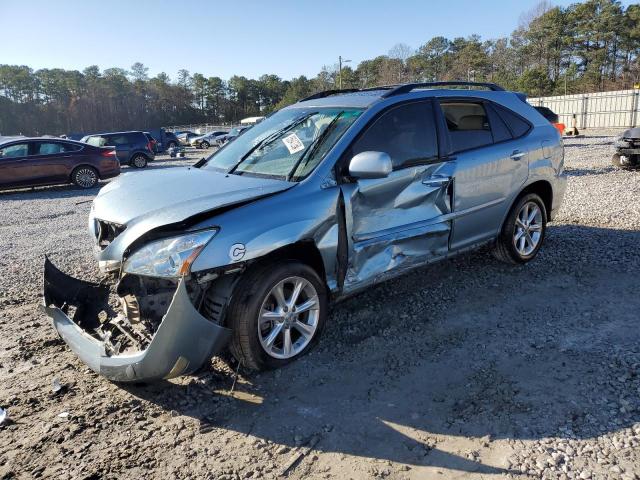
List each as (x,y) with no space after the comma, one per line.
(288,318)
(86,178)
(139,161)
(528,229)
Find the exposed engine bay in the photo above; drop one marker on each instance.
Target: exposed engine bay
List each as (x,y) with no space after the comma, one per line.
(138,327)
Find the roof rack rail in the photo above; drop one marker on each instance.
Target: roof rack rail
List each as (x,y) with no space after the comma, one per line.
(327,93)
(408,87)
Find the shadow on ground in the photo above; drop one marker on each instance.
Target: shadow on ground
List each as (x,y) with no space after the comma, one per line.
(518,353)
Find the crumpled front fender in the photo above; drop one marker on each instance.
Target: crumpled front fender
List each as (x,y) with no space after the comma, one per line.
(183,341)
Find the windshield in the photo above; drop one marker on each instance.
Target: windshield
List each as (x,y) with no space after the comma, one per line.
(288,145)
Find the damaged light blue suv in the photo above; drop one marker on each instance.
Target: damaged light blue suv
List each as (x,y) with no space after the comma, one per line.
(322,199)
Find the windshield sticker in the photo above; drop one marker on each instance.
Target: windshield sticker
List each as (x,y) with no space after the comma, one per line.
(293,143)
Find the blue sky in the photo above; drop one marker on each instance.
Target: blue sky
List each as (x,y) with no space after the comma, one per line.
(248,37)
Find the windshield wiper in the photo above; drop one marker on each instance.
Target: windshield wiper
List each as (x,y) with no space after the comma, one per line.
(270,138)
(316,144)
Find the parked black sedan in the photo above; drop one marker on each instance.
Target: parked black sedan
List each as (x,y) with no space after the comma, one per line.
(28,162)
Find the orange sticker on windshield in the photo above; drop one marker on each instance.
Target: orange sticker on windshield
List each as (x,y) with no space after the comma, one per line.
(293,143)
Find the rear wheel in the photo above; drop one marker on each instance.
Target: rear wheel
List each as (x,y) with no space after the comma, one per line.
(139,161)
(277,315)
(85,177)
(523,231)
(205,144)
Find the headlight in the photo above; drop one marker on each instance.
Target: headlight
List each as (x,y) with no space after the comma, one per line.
(169,257)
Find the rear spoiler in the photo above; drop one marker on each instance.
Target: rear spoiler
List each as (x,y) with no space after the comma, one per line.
(522,96)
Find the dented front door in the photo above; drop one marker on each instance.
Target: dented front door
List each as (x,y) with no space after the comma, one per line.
(396,223)
(400,221)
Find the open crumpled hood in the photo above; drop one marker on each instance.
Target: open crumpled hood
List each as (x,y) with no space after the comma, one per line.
(175,194)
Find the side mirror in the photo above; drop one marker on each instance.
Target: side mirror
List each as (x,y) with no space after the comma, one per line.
(370,165)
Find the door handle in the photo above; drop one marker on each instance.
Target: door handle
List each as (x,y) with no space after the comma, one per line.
(436,181)
(517,155)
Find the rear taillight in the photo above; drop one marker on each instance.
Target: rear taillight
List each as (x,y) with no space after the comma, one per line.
(109,153)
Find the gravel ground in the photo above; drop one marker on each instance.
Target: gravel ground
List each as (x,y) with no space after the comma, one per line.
(466,369)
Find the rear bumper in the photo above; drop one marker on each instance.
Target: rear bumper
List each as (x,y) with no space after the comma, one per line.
(183,341)
(110,173)
(559,189)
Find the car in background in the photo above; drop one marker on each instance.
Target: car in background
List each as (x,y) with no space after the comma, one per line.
(170,140)
(553,118)
(29,162)
(154,143)
(208,139)
(164,139)
(185,137)
(132,148)
(234,133)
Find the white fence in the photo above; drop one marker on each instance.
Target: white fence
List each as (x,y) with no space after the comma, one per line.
(595,110)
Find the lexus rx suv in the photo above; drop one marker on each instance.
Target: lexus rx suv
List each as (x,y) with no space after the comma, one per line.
(322,199)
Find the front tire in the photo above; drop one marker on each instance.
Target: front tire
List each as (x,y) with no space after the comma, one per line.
(523,231)
(277,314)
(630,162)
(85,177)
(139,161)
(205,145)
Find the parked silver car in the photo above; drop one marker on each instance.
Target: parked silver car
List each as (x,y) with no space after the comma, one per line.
(322,199)
(207,140)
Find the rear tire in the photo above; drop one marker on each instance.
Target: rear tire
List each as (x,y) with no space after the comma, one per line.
(85,176)
(523,232)
(255,314)
(138,161)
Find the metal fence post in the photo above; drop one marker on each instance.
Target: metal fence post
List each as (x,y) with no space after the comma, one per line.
(634,110)
(585,102)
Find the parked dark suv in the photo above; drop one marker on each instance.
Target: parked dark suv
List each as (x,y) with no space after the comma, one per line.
(132,148)
(27,162)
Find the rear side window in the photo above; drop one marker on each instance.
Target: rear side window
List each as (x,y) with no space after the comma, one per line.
(113,140)
(12,151)
(71,147)
(468,125)
(50,148)
(406,132)
(518,126)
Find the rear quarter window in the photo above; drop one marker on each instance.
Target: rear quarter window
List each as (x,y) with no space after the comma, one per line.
(137,138)
(519,126)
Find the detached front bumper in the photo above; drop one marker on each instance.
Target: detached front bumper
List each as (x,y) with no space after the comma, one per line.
(183,341)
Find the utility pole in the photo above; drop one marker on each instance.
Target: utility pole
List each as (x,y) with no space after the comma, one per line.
(340,62)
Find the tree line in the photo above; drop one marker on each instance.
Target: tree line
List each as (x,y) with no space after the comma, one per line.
(585,47)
